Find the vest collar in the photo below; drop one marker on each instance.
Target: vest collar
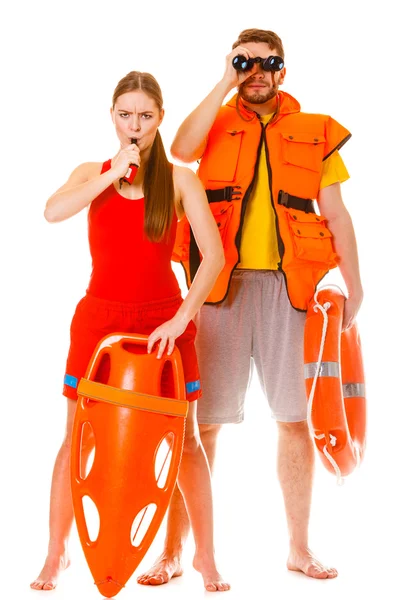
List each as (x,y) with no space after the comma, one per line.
(287,105)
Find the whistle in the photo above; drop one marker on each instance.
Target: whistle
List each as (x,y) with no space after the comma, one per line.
(131,172)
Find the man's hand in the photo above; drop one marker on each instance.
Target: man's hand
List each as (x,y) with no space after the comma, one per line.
(351,308)
(231,77)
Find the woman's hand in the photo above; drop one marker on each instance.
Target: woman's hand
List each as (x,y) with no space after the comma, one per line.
(167,334)
(125,157)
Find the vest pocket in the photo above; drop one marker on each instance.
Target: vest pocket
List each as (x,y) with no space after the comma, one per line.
(311,239)
(222,216)
(222,213)
(221,165)
(304,150)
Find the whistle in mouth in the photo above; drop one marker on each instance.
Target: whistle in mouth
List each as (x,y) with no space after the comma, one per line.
(131,172)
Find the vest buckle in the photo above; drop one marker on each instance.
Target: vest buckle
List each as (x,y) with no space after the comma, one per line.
(230,193)
(283,198)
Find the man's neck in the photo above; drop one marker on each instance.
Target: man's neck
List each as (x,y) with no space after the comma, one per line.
(267,108)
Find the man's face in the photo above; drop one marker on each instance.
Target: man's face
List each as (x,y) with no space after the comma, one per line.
(260,86)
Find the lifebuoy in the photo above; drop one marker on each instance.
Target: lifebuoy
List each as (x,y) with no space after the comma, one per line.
(335,385)
(130,483)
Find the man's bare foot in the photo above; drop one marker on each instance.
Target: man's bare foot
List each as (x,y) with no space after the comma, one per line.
(50,573)
(213,581)
(165,567)
(304,560)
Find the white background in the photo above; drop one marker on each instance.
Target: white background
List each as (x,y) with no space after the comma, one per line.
(61,62)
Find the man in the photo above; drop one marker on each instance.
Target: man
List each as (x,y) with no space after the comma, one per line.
(263,162)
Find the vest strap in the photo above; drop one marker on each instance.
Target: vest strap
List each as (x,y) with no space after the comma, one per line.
(227,193)
(304,204)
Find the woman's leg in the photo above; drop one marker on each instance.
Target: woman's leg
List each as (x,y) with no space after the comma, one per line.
(194,482)
(61,509)
(168,564)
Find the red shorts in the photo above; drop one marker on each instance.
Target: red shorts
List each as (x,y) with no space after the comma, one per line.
(95,318)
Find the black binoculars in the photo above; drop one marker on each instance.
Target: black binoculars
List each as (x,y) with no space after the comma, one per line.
(272,63)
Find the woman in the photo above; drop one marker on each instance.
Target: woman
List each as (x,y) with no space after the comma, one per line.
(133,289)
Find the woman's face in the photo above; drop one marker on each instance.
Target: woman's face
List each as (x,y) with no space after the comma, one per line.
(136,115)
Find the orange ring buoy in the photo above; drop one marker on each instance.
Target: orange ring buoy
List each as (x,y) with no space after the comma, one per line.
(136,431)
(334,377)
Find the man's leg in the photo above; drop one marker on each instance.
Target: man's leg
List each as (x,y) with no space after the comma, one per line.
(295,472)
(168,565)
(278,355)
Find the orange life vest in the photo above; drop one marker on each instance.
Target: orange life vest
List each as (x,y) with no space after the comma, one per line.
(296,145)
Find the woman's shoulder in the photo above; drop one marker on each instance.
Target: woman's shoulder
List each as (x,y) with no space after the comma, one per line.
(188,188)
(91,169)
(183,175)
(86,171)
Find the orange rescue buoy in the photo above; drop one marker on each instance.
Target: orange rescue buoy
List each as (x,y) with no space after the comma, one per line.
(136,432)
(334,377)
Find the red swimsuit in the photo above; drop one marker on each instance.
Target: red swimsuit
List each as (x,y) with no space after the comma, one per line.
(126,266)
(132,288)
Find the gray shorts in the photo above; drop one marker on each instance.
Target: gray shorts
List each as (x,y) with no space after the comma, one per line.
(254,325)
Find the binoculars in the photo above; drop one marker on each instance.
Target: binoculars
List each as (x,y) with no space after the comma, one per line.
(272,63)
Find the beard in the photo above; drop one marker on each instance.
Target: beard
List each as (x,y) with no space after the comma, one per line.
(257,96)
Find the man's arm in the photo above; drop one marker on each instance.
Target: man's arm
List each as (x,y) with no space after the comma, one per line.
(191,139)
(340,224)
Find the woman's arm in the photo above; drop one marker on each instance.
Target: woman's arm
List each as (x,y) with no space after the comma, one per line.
(208,240)
(83,185)
(86,183)
(194,202)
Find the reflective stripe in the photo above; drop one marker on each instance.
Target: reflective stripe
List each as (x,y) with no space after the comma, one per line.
(71,381)
(327,369)
(193,386)
(354,390)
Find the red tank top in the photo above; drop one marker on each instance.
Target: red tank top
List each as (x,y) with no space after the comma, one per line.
(126,266)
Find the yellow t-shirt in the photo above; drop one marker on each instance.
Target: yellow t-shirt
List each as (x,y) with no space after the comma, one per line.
(259,245)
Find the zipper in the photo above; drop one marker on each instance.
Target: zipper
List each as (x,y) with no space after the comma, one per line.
(238,237)
(281,245)
(246,196)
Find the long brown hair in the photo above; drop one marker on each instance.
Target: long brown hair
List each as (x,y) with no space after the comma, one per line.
(158,184)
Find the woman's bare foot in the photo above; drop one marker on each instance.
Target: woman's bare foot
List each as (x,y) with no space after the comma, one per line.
(304,560)
(213,581)
(164,569)
(50,573)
